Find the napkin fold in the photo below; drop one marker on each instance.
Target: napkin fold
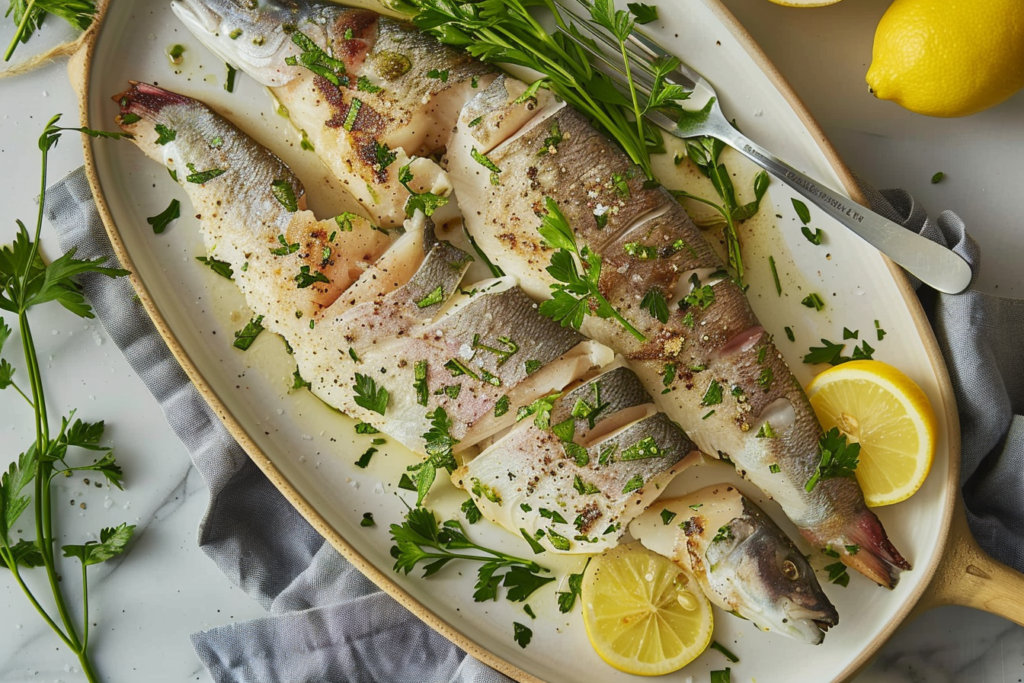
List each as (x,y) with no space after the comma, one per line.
(329,623)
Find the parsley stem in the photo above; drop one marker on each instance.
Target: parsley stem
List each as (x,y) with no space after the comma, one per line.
(27,399)
(636,103)
(19,31)
(9,560)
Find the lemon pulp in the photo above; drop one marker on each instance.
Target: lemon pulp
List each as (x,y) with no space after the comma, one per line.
(882,409)
(643,613)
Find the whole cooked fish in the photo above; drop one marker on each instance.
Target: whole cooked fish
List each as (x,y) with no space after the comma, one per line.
(371,93)
(252,209)
(727,384)
(380,330)
(744,562)
(598,455)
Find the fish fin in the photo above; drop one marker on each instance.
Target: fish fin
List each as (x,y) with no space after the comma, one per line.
(873,554)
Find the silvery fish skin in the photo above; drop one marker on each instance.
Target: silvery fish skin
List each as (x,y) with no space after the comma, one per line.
(384,99)
(244,222)
(574,486)
(744,562)
(390,303)
(470,349)
(730,379)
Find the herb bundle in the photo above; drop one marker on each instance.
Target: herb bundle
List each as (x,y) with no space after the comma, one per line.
(421,539)
(30,14)
(27,281)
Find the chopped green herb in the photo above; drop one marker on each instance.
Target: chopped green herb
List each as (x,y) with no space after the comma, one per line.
(130,118)
(837,458)
(715,645)
(201,177)
(937,178)
(802,211)
(472,512)
(774,469)
(164,218)
(306,279)
(766,431)
(164,134)
(420,383)
(838,574)
(285,249)
(502,406)
(353,355)
(575,294)
(364,85)
(813,300)
(713,394)
(532,366)
(585,487)
(722,676)
(366,428)
(297,381)
(369,395)
(441,75)
(222,268)
(641,251)
(790,335)
(435,297)
(502,354)
(643,449)
(229,84)
(247,335)
(637,482)
(708,414)
(317,61)
(775,275)
(644,14)
(667,516)
(521,634)
(352,114)
(552,141)
(558,541)
(540,409)
(367,520)
(813,237)
(364,459)
(654,303)
(285,194)
(765,379)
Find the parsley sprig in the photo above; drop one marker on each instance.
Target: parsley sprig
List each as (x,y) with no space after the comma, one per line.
(506,31)
(438,442)
(30,14)
(838,458)
(577,294)
(25,282)
(421,539)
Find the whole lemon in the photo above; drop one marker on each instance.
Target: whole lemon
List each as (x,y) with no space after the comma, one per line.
(948,57)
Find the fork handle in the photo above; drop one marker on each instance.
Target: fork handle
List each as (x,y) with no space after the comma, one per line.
(932,263)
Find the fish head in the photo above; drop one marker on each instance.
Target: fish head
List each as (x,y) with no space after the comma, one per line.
(768,579)
(258,38)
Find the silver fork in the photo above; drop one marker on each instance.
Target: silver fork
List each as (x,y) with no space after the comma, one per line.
(932,263)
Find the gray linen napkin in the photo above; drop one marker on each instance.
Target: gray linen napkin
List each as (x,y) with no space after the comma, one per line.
(328,623)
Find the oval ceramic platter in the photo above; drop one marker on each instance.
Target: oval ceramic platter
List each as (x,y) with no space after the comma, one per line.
(310,450)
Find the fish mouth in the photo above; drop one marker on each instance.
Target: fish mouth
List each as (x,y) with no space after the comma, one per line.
(198,14)
(810,624)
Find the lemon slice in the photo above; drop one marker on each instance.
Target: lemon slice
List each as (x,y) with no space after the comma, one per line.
(644,614)
(882,409)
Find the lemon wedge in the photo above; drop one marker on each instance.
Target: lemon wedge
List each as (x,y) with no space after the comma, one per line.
(644,614)
(882,409)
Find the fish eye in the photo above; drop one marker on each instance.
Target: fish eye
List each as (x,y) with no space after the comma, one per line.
(790,570)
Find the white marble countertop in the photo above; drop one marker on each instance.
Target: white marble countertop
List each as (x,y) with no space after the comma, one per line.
(166,588)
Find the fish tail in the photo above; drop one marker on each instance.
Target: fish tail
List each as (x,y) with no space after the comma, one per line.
(146,100)
(871,552)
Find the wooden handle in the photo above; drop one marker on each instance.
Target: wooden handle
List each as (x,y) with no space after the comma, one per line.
(967,576)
